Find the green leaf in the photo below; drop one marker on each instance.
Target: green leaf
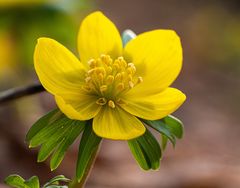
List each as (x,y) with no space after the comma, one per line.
(53,141)
(56,180)
(127,35)
(139,154)
(33,182)
(170,128)
(40,124)
(55,132)
(146,150)
(160,126)
(57,186)
(174,125)
(52,126)
(16,181)
(87,152)
(164,141)
(70,137)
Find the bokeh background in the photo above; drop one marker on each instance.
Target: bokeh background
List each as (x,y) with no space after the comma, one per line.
(209,154)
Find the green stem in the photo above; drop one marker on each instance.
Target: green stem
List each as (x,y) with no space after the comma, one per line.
(80,184)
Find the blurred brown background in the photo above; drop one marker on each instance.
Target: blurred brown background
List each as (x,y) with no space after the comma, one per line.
(209,154)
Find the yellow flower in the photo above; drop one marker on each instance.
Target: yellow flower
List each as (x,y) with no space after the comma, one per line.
(113,85)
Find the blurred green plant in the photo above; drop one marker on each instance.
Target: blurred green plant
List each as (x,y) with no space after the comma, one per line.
(26,20)
(33,182)
(218,30)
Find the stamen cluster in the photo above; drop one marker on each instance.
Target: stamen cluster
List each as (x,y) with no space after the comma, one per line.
(108,79)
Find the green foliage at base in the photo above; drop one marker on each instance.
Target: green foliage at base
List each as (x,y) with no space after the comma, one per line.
(55,133)
(88,149)
(33,182)
(169,127)
(146,149)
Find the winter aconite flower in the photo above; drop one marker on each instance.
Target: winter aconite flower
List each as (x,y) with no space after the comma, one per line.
(112,85)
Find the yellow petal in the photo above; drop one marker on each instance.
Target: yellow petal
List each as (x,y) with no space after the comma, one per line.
(153,107)
(117,124)
(157,56)
(98,35)
(82,108)
(59,71)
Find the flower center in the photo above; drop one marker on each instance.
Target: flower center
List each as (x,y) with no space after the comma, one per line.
(108,79)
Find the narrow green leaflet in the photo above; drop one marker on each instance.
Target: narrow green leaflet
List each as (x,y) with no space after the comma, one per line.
(146,151)
(33,182)
(174,125)
(57,186)
(54,133)
(164,142)
(139,154)
(55,181)
(49,145)
(170,128)
(87,152)
(18,182)
(161,127)
(40,124)
(49,127)
(69,138)
(15,181)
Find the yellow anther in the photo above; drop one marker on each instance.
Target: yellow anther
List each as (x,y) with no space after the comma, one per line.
(103,58)
(111,104)
(124,64)
(129,70)
(132,66)
(103,88)
(110,61)
(99,70)
(107,60)
(139,80)
(116,61)
(116,66)
(101,101)
(131,84)
(92,63)
(110,79)
(86,88)
(130,78)
(120,58)
(88,79)
(100,76)
(109,70)
(91,71)
(120,86)
(118,76)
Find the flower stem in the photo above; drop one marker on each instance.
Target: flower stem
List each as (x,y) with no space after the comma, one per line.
(16,93)
(80,184)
